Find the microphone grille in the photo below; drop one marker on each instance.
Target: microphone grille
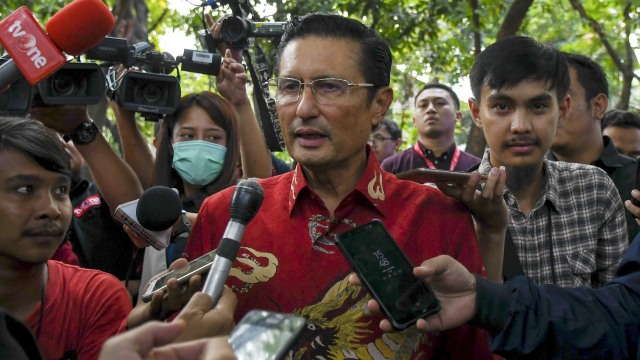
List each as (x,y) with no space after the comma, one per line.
(80,26)
(159,207)
(246,201)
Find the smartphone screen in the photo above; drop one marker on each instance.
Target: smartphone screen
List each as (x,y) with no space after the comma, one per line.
(265,335)
(387,274)
(198,266)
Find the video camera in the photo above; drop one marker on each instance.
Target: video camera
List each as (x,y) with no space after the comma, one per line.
(150,90)
(73,84)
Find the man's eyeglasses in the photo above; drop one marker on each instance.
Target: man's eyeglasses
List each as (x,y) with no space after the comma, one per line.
(378,140)
(326,91)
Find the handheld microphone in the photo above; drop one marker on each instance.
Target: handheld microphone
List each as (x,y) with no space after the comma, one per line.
(152,215)
(247,199)
(36,55)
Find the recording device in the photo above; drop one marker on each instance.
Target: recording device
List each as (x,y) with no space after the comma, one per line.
(426,175)
(265,335)
(235,30)
(150,91)
(152,215)
(386,272)
(36,55)
(13,101)
(74,84)
(245,203)
(199,266)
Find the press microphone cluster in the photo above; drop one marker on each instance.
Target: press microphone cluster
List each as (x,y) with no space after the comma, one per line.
(152,216)
(35,54)
(245,203)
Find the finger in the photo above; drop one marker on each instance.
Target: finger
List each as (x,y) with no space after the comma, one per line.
(502,181)
(184,350)
(135,239)
(143,339)
(385,325)
(434,266)
(354,280)
(199,303)
(181,262)
(490,185)
(228,301)
(209,20)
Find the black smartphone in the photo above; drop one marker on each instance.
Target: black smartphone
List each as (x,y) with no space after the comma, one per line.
(386,272)
(426,175)
(198,266)
(637,183)
(267,335)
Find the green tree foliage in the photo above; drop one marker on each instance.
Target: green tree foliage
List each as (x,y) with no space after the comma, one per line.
(431,40)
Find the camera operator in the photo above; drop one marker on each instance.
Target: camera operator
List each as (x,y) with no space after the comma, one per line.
(224,122)
(97,239)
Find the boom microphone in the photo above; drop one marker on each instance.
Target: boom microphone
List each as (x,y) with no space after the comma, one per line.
(36,55)
(247,199)
(152,216)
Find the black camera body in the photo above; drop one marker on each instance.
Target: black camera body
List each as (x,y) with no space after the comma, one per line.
(235,30)
(74,84)
(149,93)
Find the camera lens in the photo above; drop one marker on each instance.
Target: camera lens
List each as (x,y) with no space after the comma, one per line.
(151,92)
(234,29)
(67,85)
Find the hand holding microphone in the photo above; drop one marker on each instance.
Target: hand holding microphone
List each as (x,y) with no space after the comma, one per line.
(36,55)
(247,199)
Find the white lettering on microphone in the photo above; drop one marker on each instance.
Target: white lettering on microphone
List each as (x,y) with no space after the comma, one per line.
(27,43)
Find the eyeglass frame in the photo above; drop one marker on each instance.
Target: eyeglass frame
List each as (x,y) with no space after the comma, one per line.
(272,82)
(375,142)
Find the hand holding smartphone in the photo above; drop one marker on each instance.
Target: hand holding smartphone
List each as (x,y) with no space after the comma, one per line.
(426,175)
(198,266)
(265,335)
(387,274)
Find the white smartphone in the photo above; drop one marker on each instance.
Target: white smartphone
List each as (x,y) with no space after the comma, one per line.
(265,335)
(198,266)
(127,214)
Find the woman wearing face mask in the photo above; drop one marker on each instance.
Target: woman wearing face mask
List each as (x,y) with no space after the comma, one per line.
(198,151)
(198,148)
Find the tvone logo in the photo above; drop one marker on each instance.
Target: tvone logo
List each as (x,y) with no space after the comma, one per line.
(27,43)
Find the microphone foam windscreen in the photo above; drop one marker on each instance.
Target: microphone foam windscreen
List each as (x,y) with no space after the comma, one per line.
(246,200)
(80,26)
(159,207)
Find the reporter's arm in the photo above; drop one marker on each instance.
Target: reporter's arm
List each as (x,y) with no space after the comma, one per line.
(115,180)
(135,149)
(231,83)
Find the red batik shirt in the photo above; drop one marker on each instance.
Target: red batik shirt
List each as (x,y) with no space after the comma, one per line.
(288,262)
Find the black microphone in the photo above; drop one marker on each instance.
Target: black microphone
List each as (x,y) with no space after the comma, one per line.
(247,199)
(152,215)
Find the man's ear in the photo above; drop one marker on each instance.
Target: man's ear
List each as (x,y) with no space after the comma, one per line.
(474,107)
(564,106)
(381,103)
(599,105)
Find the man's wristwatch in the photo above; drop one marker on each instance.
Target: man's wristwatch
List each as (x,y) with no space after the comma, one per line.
(85,133)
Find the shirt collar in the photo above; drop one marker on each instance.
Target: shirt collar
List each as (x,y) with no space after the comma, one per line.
(550,190)
(370,187)
(445,155)
(610,157)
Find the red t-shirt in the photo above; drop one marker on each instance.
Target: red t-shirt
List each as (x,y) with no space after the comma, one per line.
(288,261)
(83,308)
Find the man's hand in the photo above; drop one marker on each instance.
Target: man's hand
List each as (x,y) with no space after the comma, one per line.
(203,321)
(635,210)
(232,80)
(164,304)
(487,205)
(62,118)
(453,285)
(147,342)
